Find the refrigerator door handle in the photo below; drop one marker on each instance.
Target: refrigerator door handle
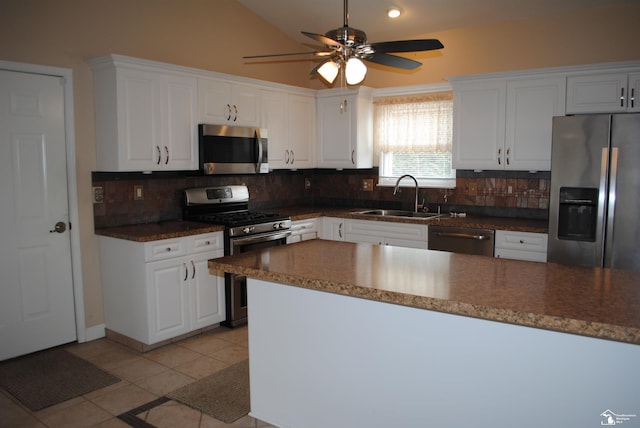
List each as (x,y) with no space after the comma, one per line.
(611,207)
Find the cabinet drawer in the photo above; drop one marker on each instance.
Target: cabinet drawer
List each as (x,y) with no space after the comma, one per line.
(165,249)
(521,241)
(206,242)
(531,256)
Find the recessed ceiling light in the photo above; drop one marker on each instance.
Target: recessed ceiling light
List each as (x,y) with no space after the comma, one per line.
(393,12)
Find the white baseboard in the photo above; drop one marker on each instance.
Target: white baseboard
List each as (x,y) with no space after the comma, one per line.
(93,333)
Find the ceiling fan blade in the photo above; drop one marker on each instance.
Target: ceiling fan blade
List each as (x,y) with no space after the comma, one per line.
(316,53)
(322,39)
(392,61)
(407,45)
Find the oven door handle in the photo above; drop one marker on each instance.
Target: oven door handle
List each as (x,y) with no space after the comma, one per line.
(261,238)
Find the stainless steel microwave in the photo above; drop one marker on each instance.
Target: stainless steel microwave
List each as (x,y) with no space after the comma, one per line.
(225,149)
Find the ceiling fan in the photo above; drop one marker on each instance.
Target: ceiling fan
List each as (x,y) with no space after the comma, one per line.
(346,47)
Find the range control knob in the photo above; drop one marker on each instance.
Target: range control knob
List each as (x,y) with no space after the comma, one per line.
(276,226)
(247,230)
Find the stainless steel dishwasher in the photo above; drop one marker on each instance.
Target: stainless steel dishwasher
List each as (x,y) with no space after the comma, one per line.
(461,240)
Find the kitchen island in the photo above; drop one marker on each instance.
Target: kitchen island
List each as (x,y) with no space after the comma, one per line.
(344,334)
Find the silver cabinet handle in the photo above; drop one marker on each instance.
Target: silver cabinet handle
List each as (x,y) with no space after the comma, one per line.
(286,156)
(235,110)
(507,155)
(186,271)
(228,111)
(293,157)
(193,266)
(340,230)
(621,97)
(499,156)
(633,97)
(159,155)
(166,150)
(353,157)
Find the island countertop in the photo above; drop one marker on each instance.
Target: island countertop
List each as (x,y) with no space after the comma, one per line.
(600,303)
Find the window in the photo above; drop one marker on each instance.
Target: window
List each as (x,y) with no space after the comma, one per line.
(413,135)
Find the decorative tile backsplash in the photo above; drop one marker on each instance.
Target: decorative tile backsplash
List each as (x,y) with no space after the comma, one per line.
(495,193)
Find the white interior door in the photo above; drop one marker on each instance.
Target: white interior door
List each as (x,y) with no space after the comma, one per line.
(36,288)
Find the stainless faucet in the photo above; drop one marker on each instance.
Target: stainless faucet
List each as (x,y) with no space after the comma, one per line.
(395,190)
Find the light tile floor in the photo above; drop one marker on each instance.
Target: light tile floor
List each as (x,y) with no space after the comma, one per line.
(145,378)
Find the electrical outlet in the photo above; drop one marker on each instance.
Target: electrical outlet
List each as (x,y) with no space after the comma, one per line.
(509,189)
(367,184)
(98,194)
(138,194)
(473,190)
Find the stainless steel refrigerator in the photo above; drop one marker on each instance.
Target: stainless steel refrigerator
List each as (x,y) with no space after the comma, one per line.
(594,206)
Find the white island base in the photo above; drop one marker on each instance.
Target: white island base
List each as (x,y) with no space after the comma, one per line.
(326,360)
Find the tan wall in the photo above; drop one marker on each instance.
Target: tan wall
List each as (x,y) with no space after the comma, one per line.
(215,34)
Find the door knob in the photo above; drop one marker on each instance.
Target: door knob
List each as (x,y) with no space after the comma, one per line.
(60,227)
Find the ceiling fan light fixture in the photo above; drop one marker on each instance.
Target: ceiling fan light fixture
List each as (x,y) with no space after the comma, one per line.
(393,12)
(355,71)
(329,71)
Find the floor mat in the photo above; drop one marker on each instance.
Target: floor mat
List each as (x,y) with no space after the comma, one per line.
(50,377)
(223,395)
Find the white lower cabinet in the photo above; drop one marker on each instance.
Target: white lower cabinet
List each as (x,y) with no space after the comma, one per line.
(158,290)
(387,233)
(521,245)
(333,228)
(303,230)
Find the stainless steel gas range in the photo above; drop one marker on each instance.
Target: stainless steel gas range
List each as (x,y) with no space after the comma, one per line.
(245,230)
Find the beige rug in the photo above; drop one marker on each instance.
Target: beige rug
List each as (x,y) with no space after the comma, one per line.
(223,395)
(50,377)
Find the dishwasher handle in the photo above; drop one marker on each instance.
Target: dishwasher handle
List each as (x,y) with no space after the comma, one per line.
(463,236)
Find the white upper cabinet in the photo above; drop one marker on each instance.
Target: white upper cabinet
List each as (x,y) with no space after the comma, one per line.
(607,92)
(345,128)
(506,123)
(221,102)
(479,114)
(531,105)
(145,117)
(290,120)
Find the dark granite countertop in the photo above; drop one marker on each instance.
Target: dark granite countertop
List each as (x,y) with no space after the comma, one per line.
(600,303)
(470,221)
(156,231)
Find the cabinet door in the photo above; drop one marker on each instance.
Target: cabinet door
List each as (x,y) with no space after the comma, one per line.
(207,292)
(531,105)
(332,228)
(214,101)
(302,131)
(336,118)
(245,105)
(478,125)
(221,102)
(139,122)
(275,120)
(179,124)
(167,298)
(387,233)
(597,93)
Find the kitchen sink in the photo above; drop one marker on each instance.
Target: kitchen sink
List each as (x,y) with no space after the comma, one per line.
(398,213)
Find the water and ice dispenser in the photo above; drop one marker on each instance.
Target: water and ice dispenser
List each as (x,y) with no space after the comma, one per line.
(578,213)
